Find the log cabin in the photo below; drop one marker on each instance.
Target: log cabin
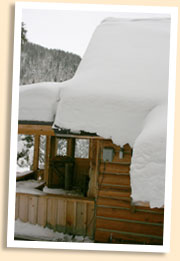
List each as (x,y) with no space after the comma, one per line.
(104,211)
(117,96)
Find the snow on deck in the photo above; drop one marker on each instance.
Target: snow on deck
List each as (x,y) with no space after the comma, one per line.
(29,187)
(61,191)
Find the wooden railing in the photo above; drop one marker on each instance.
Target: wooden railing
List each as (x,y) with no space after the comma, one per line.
(61,213)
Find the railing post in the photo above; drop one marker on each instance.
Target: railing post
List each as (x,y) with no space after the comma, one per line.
(36,152)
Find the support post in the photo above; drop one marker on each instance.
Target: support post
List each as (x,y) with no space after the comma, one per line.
(46,171)
(36,152)
(94,167)
(71,147)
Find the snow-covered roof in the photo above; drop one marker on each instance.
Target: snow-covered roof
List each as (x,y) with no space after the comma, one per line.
(38,101)
(122,76)
(120,91)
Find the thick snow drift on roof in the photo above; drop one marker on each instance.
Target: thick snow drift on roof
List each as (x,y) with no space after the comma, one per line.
(122,77)
(149,158)
(38,102)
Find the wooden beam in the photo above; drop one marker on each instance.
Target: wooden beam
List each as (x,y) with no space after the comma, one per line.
(35,129)
(59,196)
(94,158)
(71,147)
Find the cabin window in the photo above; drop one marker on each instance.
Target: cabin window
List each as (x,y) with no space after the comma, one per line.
(108,154)
(42,152)
(121,153)
(25,152)
(61,147)
(82,148)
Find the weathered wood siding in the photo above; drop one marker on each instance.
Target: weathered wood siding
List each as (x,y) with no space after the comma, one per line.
(63,214)
(117,220)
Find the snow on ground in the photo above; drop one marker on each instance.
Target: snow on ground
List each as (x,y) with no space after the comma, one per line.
(38,102)
(39,233)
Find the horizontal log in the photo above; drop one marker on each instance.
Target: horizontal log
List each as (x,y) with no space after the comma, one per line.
(114,168)
(113,187)
(129,226)
(128,214)
(148,209)
(110,236)
(35,129)
(120,163)
(113,202)
(66,197)
(115,194)
(114,179)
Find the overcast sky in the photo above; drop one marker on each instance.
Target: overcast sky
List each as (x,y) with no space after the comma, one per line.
(66,30)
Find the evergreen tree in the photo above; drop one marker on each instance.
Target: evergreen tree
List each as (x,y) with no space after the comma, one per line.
(23,34)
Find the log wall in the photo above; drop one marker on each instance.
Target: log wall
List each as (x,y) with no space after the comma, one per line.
(63,214)
(117,219)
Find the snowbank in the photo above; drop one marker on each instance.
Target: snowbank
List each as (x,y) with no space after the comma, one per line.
(120,81)
(38,233)
(38,102)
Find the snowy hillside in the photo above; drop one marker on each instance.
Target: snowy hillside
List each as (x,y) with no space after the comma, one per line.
(39,64)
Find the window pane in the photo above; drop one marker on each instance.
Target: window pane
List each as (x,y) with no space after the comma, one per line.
(61,147)
(82,148)
(25,152)
(42,151)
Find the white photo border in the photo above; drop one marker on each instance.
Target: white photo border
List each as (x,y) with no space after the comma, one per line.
(173,12)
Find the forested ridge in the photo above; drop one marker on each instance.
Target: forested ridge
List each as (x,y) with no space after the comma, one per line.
(40,64)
